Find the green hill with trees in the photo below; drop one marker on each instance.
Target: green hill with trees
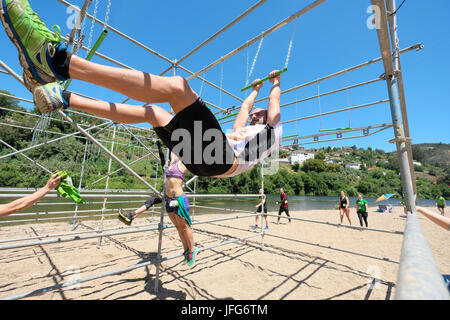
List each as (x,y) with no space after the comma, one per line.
(325,175)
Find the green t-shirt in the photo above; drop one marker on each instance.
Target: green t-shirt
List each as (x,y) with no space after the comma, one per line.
(440,201)
(361,205)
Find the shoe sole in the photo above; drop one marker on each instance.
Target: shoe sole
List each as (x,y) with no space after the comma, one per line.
(34,79)
(42,100)
(128,223)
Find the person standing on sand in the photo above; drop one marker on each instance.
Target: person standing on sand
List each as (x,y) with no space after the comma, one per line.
(362,209)
(344,207)
(440,203)
(284,206)
(259,207)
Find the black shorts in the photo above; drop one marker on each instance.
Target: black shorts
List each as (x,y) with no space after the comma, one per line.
(260,209)
(283,209)
(188,119)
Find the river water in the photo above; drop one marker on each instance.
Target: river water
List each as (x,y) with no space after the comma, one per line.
(56,210)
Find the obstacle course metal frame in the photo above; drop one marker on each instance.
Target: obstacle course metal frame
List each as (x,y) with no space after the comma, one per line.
(409,263)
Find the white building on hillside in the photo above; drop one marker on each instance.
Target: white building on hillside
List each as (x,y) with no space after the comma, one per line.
(355,166)
(333,160)
(300,156)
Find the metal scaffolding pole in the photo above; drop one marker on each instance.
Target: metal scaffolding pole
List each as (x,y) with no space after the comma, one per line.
(16,98)
(175,63)
(119,271)
(412,260)
(120,33)
(139,140)
(74,223)
(338,225)
(262,207)
(92,139)
(11,72)
(77,26)
(332,92)
(48,236)
(118,170)
(339,132)
(416,47)
(49,213)
(418,275)
(341,139)
(222,30)
(26,157)
(105,199)
(337,111)
(164,166)
(72,236)
(262,35)
(392,19)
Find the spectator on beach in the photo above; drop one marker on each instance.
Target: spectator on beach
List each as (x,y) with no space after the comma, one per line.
(440,203)
(284,206)
(362,209)
(25,202)
(344,207)
(262,205)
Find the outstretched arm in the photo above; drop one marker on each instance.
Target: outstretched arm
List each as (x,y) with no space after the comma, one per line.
(441,221)
(23,203)
(273,111)
(246,107)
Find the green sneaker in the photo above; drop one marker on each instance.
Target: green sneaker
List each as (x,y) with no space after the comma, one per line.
(191,257)
(36,44)
(50,98)
(185,254)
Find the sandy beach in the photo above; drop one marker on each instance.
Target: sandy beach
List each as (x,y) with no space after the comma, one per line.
(323,261)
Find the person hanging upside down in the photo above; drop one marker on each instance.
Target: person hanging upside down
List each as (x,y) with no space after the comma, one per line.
(177,207)
(193,134)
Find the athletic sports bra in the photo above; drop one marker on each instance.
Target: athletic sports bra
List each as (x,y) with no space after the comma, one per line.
(174,172)
(343,202)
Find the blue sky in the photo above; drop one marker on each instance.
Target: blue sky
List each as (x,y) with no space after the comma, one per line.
(330,38)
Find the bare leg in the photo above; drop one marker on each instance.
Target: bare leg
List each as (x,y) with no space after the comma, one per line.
(184,232)
(121,113)
(341,215)
(140,211)
(134,84)
(347,213)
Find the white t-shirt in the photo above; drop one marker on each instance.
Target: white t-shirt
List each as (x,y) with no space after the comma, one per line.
(240,138)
